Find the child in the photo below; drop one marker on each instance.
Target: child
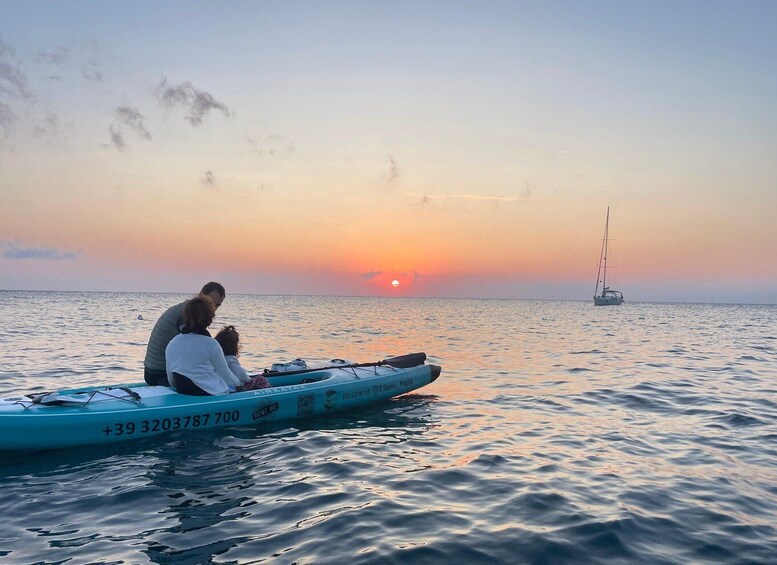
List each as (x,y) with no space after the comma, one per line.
(229,340)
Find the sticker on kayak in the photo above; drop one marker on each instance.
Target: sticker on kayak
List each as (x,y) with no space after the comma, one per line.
(330,399)
(305,403)
(264,409)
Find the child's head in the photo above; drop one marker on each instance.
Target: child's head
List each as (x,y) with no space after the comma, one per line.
(229,340)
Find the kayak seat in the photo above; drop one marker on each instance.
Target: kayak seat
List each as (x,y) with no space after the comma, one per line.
(311,380)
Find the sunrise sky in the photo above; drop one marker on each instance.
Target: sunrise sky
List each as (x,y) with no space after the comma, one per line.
(462,149)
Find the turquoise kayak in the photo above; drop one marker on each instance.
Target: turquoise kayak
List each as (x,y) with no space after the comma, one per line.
(103,415)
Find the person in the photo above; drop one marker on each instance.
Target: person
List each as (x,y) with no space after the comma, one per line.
(165,329)
(229,340)
(194,360)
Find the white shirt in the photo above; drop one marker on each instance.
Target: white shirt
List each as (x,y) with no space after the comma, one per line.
(237,369)
(200,358)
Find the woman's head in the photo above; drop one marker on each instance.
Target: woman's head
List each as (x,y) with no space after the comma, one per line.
(199,312)
(229,340)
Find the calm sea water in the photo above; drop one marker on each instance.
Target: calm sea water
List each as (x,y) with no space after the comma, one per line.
(557,433)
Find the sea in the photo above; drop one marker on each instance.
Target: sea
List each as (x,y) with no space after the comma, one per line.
(558,432)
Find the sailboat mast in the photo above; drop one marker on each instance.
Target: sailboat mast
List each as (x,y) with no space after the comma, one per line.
(606,236)
(602,255)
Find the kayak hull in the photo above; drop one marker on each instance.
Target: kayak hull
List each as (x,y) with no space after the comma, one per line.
(100,415)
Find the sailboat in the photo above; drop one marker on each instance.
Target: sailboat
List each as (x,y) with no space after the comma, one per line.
(609,296)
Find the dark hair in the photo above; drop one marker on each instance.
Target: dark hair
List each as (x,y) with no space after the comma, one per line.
(199,312)
(211,286)
(229,340)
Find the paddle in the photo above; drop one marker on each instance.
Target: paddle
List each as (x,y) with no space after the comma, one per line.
(400,362)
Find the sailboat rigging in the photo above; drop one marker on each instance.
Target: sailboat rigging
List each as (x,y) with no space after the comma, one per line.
(609,296)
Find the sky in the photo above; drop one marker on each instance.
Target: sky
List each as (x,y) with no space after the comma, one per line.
(462,149)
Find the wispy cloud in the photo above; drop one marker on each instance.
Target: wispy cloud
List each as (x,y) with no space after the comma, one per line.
(117,138)
(253,143)
(13,82)
(48,125)
(13,87)
(198,103)
(209,178)
(273,145)
(90,70)
(127,117)
(7,119)
(57,57)
(426,198)
(415,276)
(368,276)
(393,173)
(85,58)
(15,250)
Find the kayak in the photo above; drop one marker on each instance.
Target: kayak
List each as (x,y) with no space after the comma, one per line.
(105,415)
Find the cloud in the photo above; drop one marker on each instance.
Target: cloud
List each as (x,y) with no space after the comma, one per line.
(57,57)
(127,117)
(209,178)
(425,198)
(49,125)
(14,250)
(393,173)
(197,102)
(370,275)
(273,145)
(132,118)
(253,143)
(90,71)
(13,82)
(117,138)
(416,276)
(13,86)
(7,119)
(84,58)
(5,49)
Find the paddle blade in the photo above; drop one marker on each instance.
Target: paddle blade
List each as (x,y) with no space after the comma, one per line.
(405,361)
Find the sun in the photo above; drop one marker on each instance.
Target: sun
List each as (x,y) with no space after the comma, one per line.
(395,283)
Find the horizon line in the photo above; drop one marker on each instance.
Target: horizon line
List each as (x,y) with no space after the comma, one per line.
(725,303)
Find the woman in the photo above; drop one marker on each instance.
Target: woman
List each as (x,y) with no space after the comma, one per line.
(195,361)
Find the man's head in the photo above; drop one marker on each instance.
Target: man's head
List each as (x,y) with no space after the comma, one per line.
(215,292)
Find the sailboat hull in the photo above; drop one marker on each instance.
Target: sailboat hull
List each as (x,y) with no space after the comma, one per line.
(608,301)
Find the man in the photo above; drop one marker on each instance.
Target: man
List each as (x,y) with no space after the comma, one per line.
(166,328)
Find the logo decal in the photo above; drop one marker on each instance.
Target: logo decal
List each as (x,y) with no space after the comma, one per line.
(330,399)
(305,403)
(264,409)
